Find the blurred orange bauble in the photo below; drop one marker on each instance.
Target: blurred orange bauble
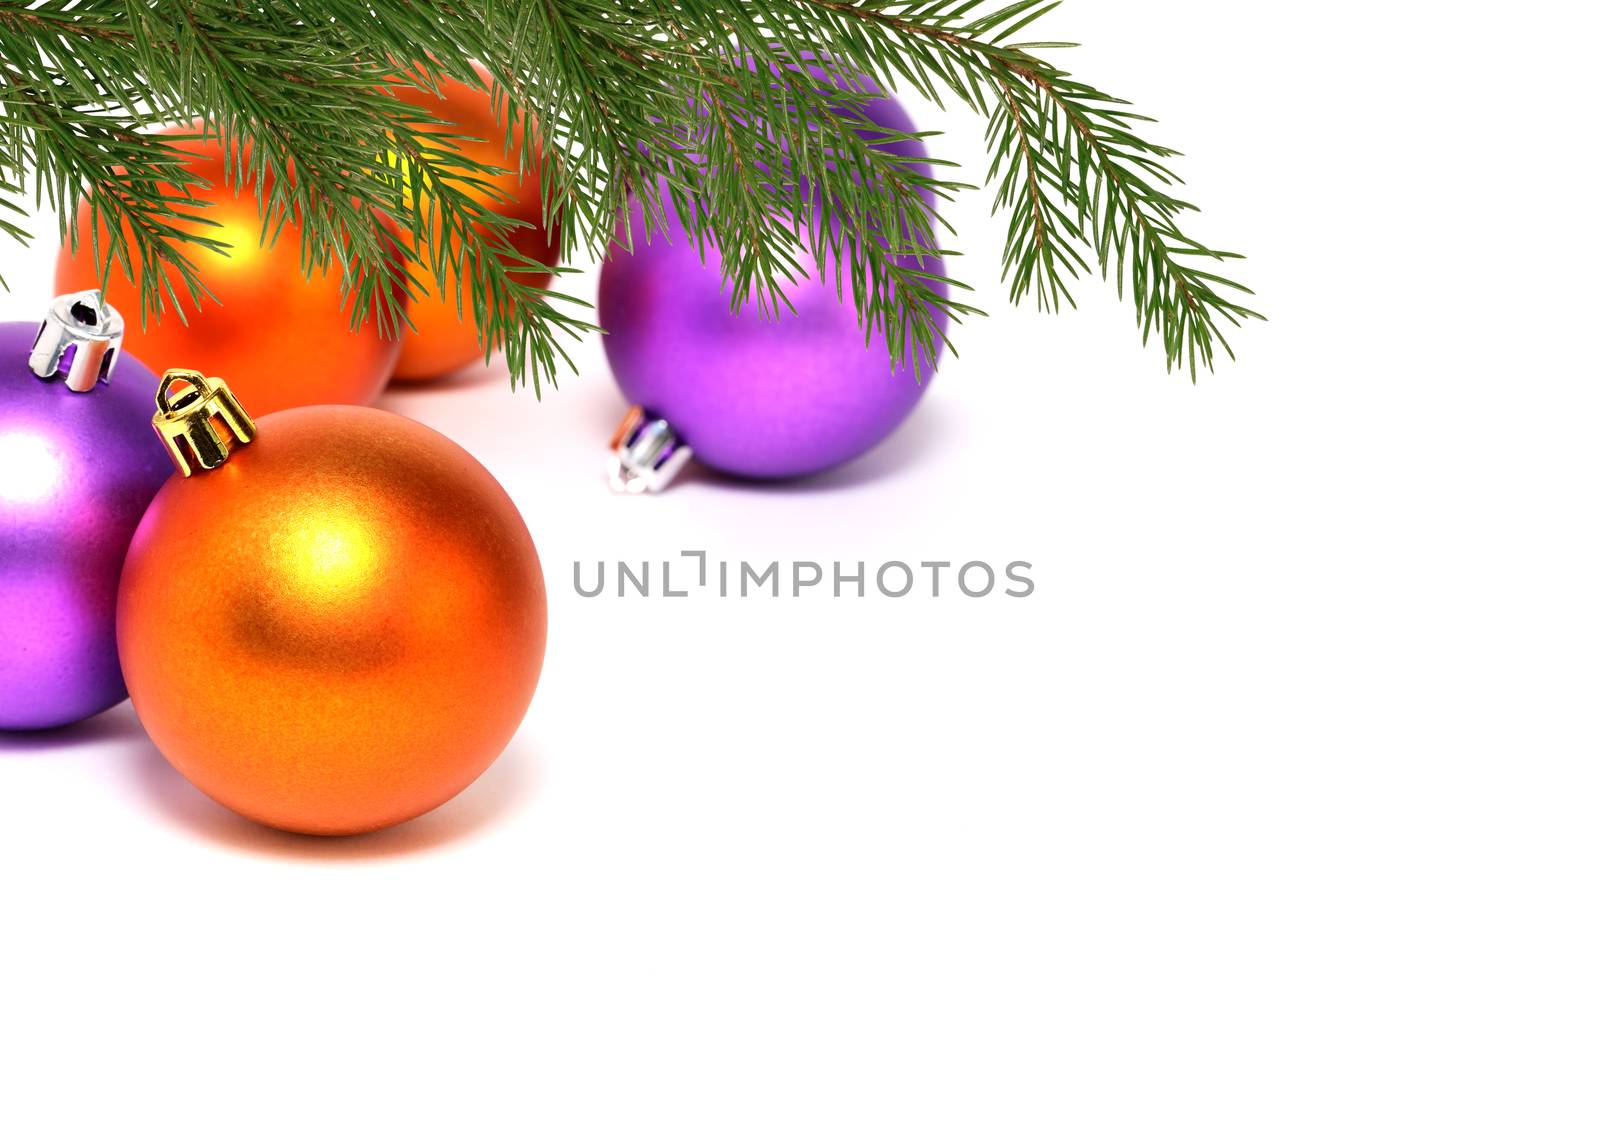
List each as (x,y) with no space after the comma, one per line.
(337,629)
(280,339)
(442,339)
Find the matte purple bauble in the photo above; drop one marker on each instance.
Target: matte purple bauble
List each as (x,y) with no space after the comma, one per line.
(755,397)
(76,474)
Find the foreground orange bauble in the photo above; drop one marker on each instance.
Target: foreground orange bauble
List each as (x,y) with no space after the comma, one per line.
(280,339)
(339,627)
(444,340)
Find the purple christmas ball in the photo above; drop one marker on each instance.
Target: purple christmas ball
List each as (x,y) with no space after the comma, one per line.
(755,397)
(76,474)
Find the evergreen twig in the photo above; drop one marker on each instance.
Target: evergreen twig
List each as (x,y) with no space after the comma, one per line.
(713,111)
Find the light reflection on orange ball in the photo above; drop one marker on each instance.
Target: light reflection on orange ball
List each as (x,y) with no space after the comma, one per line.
(339,628)
(280,339)
(442,341)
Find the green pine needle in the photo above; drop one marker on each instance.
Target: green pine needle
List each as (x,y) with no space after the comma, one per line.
(710,111)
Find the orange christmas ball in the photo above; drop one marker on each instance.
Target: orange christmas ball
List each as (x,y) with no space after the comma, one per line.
(443,340)
(339,627)
(280,339)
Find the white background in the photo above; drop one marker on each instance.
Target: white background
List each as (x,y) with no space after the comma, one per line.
(1269,819)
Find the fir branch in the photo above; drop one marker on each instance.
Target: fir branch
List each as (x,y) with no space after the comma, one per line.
(1065,160)
(710,110)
